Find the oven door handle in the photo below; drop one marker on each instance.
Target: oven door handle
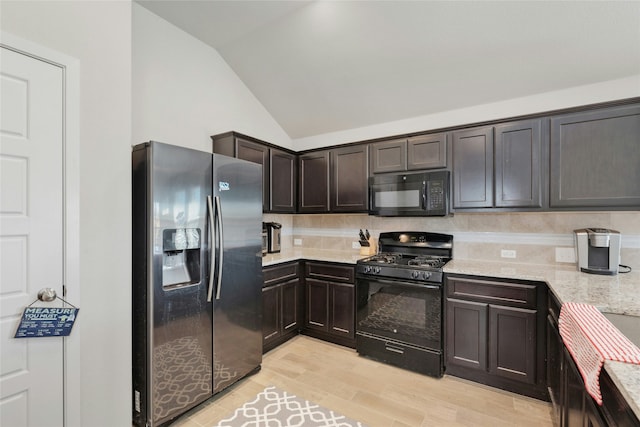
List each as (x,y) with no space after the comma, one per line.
(400,282)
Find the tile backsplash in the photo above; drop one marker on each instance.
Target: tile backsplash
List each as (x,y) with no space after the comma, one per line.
(480,236)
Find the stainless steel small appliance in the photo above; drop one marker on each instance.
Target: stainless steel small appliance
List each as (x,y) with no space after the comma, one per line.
(598,250)
(399,301)
(274,230)
(265,239)
(414,194)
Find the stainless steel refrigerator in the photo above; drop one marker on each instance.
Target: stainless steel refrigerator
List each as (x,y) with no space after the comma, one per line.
(197,277)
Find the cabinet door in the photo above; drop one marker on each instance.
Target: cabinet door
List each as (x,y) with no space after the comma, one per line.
(317,307)
(389,156)
(349,179)
(554,367)
(256,153)
(595,160)
(473,168)
(512,338)
(592,416)
(270,313)
(290,305)
(427,151)
(283,181)
(518,164)
(342,310)
(314,182)
(573,411)
(467,338)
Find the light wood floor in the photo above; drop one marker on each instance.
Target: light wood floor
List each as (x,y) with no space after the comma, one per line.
(373,393)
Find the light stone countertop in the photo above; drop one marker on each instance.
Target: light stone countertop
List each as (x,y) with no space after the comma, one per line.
(345,257)
(614,294)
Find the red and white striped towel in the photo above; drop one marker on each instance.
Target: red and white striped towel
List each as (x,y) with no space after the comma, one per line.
(591,339)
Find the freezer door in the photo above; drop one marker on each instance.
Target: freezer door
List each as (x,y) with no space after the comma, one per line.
(172,320)
(237,297)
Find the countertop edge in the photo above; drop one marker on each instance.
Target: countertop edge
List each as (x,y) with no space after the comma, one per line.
(288,255)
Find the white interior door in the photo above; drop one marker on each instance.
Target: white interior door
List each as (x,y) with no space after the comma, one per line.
(31,235)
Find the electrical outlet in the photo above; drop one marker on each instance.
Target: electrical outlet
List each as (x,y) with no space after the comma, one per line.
(355,245)
(566,255)
(508,253)
(297,242)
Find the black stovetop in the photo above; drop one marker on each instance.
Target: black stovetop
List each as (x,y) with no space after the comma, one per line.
(417,256)
(434,262)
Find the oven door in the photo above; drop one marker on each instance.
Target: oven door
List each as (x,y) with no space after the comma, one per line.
(401,311)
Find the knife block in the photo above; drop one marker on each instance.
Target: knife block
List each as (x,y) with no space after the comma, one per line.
(372,249)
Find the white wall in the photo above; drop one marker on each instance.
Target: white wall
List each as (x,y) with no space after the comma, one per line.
(581,95)
(184,92)
(98,35)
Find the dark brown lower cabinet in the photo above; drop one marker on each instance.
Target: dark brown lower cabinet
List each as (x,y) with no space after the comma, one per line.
(572,405)
(281,305)
(494,333)
(330,302)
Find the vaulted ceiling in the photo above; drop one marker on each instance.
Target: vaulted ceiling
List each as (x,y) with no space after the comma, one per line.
(325,66)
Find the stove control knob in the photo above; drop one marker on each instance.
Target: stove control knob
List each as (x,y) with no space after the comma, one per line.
(415,274)
(367,269)
(426,275)
(378,270)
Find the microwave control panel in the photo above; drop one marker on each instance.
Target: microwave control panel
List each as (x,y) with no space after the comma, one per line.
(435,195)
(437,187)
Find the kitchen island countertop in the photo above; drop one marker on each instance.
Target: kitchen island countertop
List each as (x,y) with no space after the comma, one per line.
(613,294)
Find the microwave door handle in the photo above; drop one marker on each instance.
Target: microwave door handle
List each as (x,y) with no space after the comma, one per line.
(424,195)
(212,261)
(221,245)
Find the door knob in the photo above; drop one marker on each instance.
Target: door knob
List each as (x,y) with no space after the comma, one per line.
(47,294)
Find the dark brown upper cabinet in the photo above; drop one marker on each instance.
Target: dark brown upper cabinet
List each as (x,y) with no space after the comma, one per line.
(407,154)
(313,188)
(283,181)
(334,180)
(595,159)
(499,167)
(279,179)
(519,167)
(349,185)
(472,156)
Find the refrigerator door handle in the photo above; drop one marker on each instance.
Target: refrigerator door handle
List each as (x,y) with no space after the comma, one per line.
(220,237)
(212,261)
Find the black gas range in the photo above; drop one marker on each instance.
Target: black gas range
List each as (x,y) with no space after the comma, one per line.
(399,301)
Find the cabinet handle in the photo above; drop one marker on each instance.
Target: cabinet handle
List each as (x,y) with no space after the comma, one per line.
(394,349)
(315,323)
(270,335)
(340,330)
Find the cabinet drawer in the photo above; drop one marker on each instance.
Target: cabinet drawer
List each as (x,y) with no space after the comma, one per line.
(331,272)
(509,294)
(279,273)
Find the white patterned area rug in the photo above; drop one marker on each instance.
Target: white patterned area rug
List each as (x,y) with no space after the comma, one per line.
(277,408)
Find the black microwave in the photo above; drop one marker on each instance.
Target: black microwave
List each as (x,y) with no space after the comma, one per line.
(414,194)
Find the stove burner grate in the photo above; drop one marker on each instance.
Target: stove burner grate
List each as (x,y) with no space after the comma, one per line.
(430,261)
